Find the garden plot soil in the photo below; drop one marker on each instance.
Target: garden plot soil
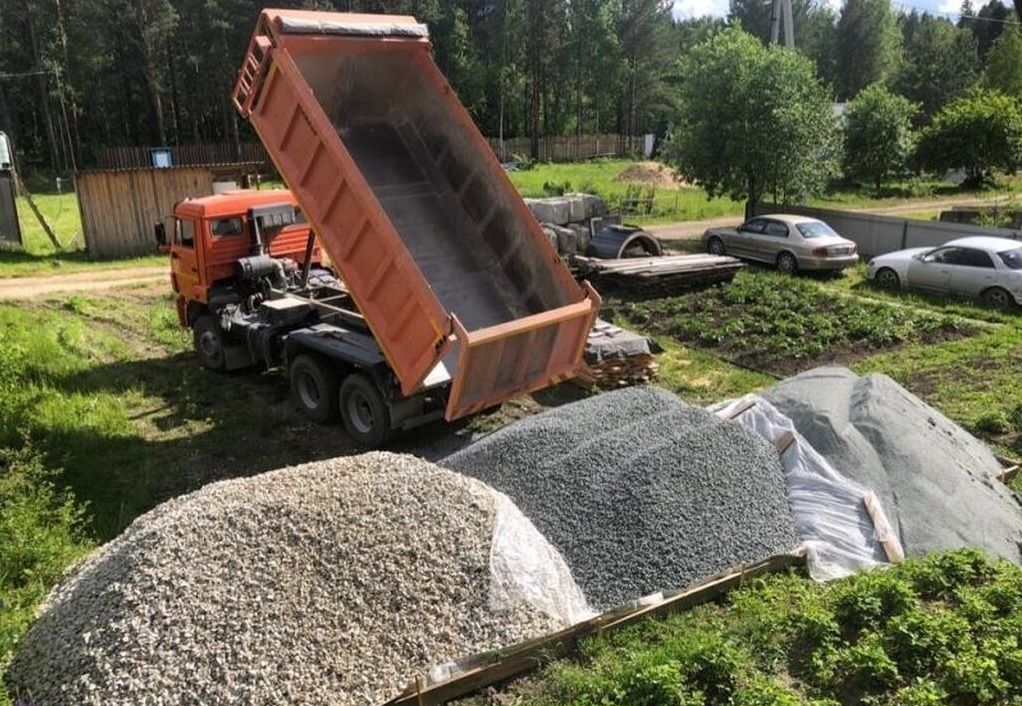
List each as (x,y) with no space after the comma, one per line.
(329,583)
(639,491)
(784,325)
(937,483)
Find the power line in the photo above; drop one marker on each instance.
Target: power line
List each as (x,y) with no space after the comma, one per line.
(954,15)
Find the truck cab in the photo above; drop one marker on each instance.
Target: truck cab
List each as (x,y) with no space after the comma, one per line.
(209,235)
(253,287)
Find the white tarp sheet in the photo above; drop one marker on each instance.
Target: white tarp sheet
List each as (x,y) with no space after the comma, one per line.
(841,523)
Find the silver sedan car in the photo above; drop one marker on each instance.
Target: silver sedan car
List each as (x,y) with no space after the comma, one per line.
(791,242)
(985,268)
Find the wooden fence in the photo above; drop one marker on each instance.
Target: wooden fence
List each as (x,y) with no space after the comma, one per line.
(570,148)
(184,155)
(119,207)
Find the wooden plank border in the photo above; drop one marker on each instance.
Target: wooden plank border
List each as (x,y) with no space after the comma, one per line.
(490,668)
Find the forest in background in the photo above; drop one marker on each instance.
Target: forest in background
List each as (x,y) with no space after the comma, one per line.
(76,75)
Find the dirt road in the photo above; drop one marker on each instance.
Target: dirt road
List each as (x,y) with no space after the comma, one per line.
(693,229)
(34,287)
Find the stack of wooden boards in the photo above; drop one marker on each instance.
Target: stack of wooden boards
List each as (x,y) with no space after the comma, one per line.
(616,358)
(672,273)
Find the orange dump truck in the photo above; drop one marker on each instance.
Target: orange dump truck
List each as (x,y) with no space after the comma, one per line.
(440,257)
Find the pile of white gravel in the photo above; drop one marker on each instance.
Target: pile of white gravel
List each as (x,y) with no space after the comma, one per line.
(328,583)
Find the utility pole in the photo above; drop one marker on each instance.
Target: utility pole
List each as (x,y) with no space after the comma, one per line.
(781,12)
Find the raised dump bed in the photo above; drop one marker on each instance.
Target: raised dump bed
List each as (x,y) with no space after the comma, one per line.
(441,255)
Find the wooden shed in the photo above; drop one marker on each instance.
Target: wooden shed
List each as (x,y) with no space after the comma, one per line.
(120,206)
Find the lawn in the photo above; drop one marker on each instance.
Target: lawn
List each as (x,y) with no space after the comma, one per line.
(941,630)
(669,204)
(38,256)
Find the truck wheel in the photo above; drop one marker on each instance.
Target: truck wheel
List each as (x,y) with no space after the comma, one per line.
(208,339)
(314,387)
(364,412)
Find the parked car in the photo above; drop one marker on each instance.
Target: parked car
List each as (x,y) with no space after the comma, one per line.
(986,268)
(791,242)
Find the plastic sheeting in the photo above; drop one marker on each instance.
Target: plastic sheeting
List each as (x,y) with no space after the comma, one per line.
(525,568)
(842,525)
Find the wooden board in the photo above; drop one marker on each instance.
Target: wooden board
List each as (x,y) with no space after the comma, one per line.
(485,670)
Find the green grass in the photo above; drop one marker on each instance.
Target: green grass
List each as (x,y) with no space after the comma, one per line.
(38,256)
(942,630)
(670,204)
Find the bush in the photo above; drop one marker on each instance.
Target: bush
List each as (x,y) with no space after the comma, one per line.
(39,537)
(978,133)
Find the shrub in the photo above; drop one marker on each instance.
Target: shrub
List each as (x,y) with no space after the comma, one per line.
(868,600)
(39,537)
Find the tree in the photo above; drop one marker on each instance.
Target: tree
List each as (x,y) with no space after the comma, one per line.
(940,64)
(753,120)
(878,135)
(867,45)
(1004,63)
(978,133)
(988,24)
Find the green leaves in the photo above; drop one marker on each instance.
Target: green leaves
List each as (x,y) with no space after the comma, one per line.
(978,133)
(878,135)
(753,121)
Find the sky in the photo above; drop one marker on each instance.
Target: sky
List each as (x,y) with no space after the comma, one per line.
(718,8)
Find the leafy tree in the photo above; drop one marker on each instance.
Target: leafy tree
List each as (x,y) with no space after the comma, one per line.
(978,133)
(868,45)
(878,135)
(753,120)
(1004,63)
(940,64)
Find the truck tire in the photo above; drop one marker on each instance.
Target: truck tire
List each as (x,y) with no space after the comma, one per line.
(364,412)
(314,387)
(208,340)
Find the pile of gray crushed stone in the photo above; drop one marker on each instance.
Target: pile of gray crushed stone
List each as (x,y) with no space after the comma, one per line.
(329,583)
(936,481)
(639,491)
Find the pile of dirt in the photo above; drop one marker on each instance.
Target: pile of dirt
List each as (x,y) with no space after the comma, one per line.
(639,491)
(329,583)
(652,174)
(936,481)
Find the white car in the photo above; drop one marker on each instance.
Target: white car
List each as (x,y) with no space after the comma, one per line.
(985,268)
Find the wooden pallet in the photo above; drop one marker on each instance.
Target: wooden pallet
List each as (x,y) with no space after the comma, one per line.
(484,670)
(672,272)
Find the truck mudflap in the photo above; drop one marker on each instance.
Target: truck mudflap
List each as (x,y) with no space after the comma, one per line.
(519,356)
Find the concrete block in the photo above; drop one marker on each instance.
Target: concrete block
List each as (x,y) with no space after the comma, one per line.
(553,210)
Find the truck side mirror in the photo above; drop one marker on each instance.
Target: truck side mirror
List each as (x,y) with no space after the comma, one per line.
(160,232)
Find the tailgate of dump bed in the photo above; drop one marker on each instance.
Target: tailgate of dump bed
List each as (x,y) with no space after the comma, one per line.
(528,354)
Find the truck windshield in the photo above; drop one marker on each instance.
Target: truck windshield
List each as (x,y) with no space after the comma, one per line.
(814,229)
(1012,258)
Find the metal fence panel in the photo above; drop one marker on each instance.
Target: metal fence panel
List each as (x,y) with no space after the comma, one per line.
(875,235)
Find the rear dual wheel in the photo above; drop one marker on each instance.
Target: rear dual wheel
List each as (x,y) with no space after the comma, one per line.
(320,395)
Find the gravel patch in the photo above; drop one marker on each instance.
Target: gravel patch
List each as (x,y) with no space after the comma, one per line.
(328,583)
(935,480)
(639,491)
